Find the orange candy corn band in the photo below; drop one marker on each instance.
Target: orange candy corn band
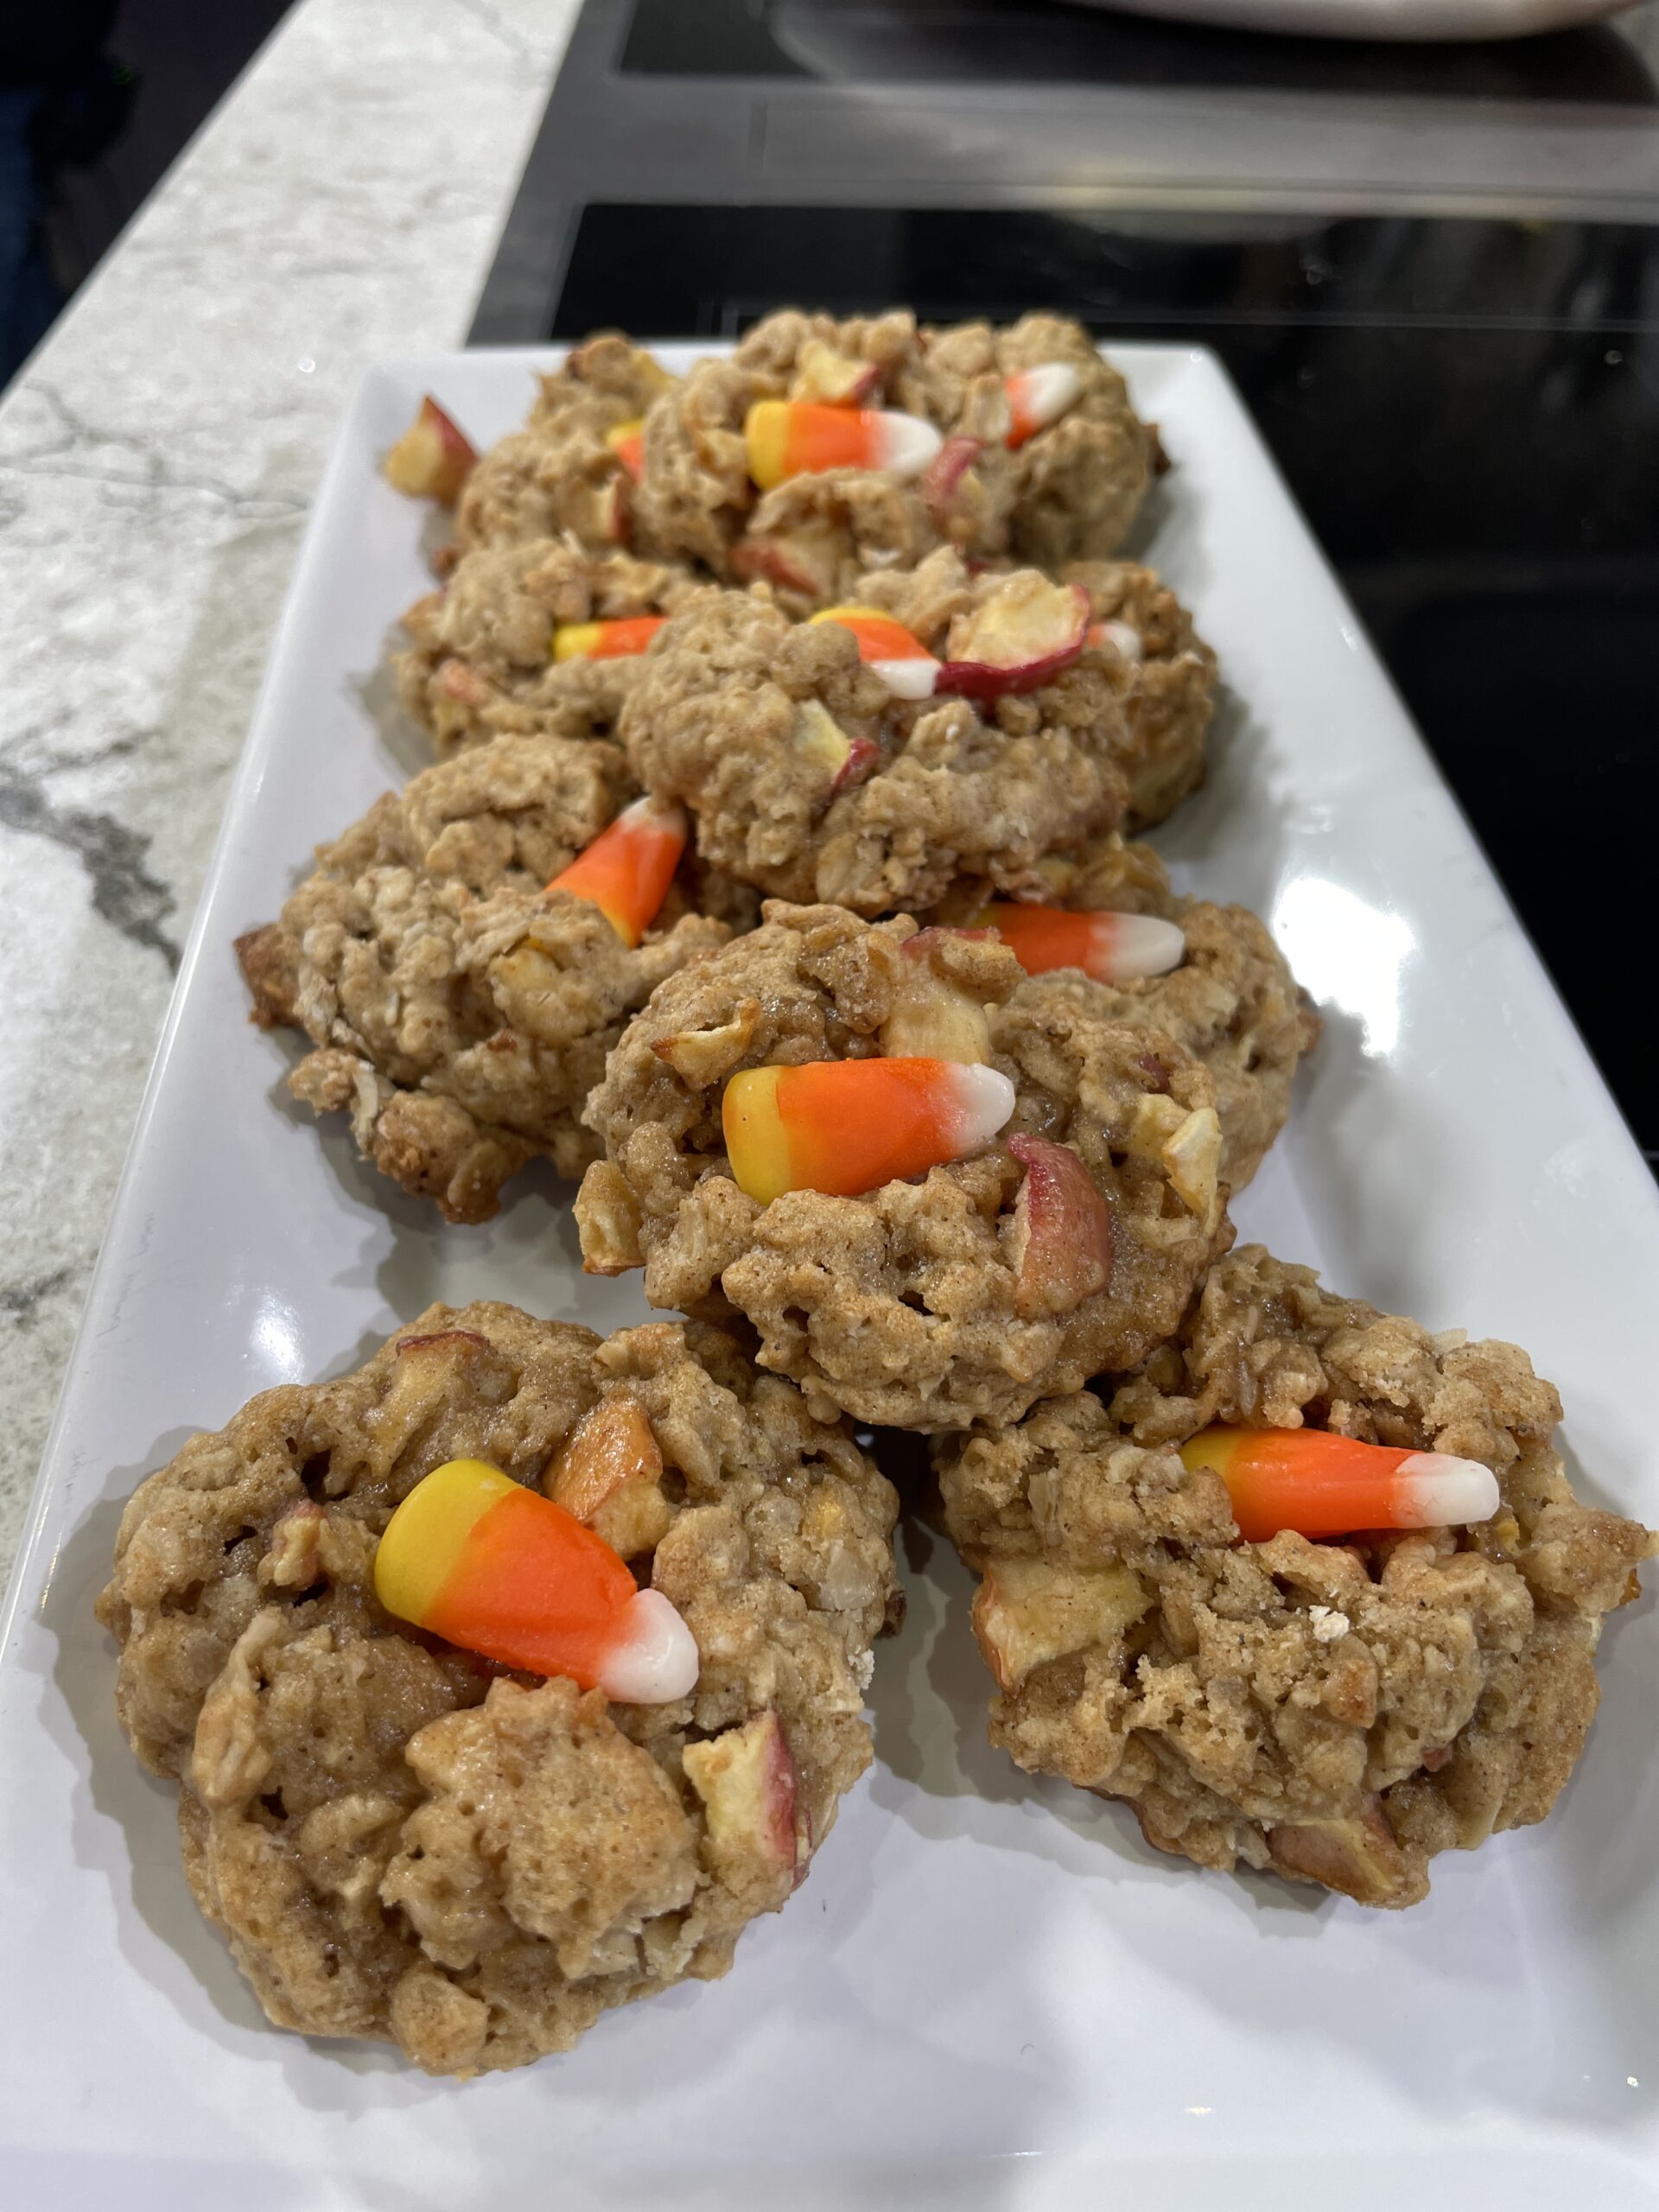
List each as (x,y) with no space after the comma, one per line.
(615,640)
(880,636)
(1037,396)
(1112,948)
(845,1127)
(627,871)
(799,438)
(627,442)
(888,650)
(483,1562)
(1320,1484)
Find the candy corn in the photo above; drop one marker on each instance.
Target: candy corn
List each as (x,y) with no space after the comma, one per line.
(790,437)
(627,442)
(1122,637)
(628,867)
(849,1126)
(616,640)
(888,650)
(476,1558)
(1039,396)
(1324,1486)
(1112,948)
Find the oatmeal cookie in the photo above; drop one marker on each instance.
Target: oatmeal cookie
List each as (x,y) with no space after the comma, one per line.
(405,1841)
(1070,492)
(1143,687)
(809,780)
(459,1013)
(559,473)
(926,1304)
(479,663)
(1232,1001)
(1337,1711)
(1168,678)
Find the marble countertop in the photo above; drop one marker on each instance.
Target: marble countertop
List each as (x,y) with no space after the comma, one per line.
(157,457)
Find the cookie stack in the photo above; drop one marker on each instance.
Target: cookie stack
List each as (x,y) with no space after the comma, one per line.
(775,880)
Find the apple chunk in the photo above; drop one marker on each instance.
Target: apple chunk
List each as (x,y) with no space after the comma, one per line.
(1359,1856)
(1024,634)
(1028,1610)
(1062,1242)
(806,562)
(954,458)
(608,1473)
(747,1779)
(820,738)
(933,1018)
(432,458)
(833,379)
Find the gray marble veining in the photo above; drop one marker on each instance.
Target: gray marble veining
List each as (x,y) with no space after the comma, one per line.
(157,459)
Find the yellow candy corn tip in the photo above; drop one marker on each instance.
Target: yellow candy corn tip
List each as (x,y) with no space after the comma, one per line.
(626,927)
(766,435)
(757,1143)
(424,1536)
(1214,1448)
(576,640)
(853,615)
(630,430)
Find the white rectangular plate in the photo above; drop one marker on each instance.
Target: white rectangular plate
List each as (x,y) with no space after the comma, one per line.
(991,1993)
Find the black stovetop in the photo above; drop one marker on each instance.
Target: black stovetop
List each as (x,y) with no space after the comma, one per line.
(1465,406)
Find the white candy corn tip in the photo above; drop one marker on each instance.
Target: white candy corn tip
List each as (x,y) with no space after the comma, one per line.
(984,1099)
(1437,1491)
(1123,637)
(907,679)
(1141,945)
(905,444)
(664,814)
(656,1661)
(1041,396)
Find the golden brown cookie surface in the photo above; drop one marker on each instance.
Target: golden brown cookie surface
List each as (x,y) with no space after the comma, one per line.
(926,1303)
(1338,1711)
(457,1011)
(809,780)
(1069,492)
(480,663)
(1232,1000)
(403,1841)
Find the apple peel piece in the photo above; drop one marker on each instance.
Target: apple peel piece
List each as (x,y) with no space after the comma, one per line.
(1062,1243)
(845,759)
(1025,633)
(931,1018)
(1027,1611)
(831,378)
(608,1473)
(954,458)
(802,563)
(1359,1857)
(747,1781)
(433,458)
